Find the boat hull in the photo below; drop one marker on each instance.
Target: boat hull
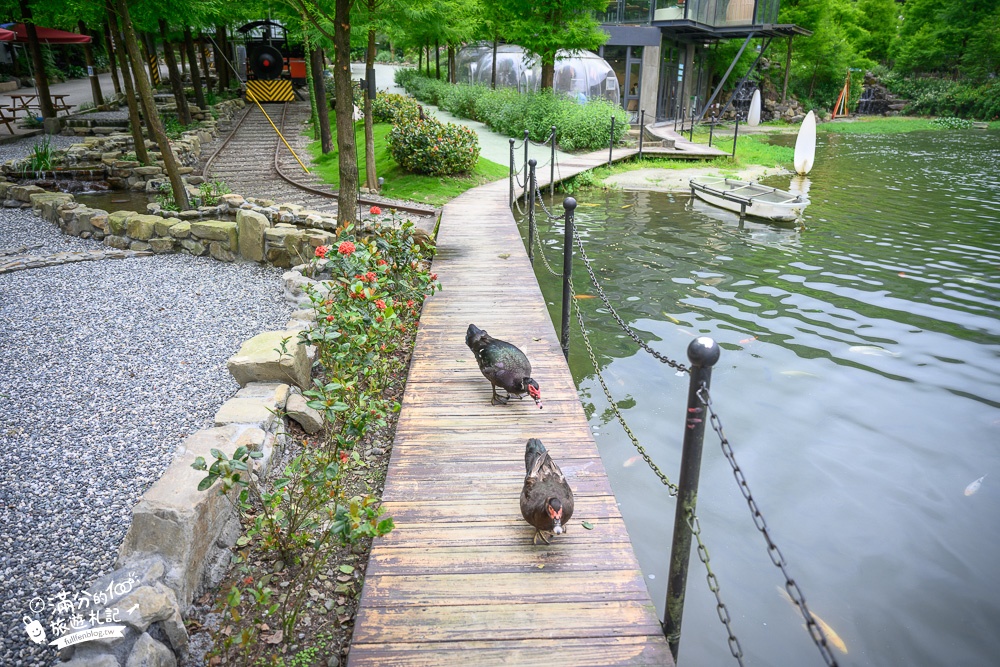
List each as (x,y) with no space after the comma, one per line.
(750,199)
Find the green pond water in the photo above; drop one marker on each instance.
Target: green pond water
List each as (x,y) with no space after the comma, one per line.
(859,385)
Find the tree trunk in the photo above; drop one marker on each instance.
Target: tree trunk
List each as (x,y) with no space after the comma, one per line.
(493,75)
(420,58)
(437,60)
(371,175)
(428,59)
(199,92)
(451,64)
(149,106)
(221,57)
(41,80)
(134,119)
(88,56)
(112,59)
(310,80)
(322,107)
(788,68)
(176,83)
(152,62)
(183,63)
(203,48)
(548,73)
(348,157)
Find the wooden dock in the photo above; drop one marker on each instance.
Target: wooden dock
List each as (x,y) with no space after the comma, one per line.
(458,581)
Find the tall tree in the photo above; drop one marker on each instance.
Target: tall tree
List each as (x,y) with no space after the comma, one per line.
(95,83)
(347,200)
(121,54)
(112,60)
(322,106)
(199,92)
(41,80)
(546,26)
(149,107)
(176,82)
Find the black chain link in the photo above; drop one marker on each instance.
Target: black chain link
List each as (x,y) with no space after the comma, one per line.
(815,631)
(713,585)
(671,487)
(614,313)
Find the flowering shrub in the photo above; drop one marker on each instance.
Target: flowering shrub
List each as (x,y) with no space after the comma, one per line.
(390,107)
(432,147)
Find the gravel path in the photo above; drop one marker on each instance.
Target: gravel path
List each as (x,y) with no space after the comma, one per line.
(104,368)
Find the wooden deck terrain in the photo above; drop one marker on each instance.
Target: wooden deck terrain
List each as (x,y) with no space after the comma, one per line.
(458,581)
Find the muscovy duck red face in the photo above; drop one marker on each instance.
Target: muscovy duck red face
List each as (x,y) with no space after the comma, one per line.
(554,509)
(535,392)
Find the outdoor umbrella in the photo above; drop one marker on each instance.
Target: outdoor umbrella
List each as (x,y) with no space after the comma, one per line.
(45,35)
(7,35)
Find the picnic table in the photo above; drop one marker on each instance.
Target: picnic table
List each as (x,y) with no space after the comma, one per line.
(7,120)
(30,106)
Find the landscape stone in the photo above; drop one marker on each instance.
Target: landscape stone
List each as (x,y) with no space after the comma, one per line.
(219,251)
(163,226)
(245,411)
(260,360)
(162,245)
(251,232)
(139,246)
(216,230)
(118,222)
(274,394)
(142,226)
(194,247)
(148,652)
(309,419)
(180,230)
(119,242)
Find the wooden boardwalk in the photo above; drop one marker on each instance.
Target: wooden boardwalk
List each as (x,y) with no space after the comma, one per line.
(458,581)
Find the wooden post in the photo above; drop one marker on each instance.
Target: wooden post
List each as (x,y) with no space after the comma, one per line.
(788,67)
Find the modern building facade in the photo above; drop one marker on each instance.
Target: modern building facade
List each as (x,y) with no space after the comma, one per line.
(659,49)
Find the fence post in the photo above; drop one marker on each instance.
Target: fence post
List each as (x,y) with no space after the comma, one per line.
(711,131)
(511,173)
(691,135)
(569,206)
(736,133)
(642,129)
(552,164)
(533,187)
(611,143)
(525,167)
(703,353)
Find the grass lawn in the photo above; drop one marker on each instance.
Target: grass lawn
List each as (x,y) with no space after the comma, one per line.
(399,184)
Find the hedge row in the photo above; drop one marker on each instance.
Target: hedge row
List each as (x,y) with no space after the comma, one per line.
(431,147)
(945,97)
(504,110)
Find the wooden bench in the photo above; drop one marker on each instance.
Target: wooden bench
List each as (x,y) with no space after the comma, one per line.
(7,120)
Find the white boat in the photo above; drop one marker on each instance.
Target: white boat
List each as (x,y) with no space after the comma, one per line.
(749,198)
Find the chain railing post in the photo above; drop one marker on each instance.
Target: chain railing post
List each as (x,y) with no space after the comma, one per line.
(552,164)
(526,167)
(703,353)
(611,143)
(533,187)
(736,133)
(642,129)
(691,135)
(569,206)
(511,173)
(711,131)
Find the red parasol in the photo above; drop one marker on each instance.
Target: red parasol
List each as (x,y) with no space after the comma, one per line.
(18,33)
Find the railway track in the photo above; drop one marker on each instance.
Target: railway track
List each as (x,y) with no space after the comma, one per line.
(255,162)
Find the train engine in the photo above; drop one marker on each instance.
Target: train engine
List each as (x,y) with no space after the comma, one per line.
(272,66)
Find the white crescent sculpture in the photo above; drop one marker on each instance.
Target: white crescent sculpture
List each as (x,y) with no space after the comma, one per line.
(753,116)
(805,145)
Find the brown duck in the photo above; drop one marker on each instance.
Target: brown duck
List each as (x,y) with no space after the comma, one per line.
(546,500)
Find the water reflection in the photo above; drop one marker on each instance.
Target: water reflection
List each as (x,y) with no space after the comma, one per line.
(859,384)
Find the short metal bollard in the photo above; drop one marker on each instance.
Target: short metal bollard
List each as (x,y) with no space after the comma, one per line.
(703,353)
(533,187)
(511,173)
(611,144)
(642,129)
(569,206)
(526,166)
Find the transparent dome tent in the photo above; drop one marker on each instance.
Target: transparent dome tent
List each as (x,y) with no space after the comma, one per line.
(580,74)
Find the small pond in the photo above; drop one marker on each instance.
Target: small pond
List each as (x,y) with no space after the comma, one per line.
(859,385)
(115,200)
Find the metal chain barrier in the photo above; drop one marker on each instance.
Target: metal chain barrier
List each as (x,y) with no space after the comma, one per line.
(545,260)
(713,585)
(614,313)
(671,487)
(541,200)
(775,554)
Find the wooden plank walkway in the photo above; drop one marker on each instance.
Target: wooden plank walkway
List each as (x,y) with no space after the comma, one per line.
(458,581)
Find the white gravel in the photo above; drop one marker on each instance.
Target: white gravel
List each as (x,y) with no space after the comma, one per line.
(104,368)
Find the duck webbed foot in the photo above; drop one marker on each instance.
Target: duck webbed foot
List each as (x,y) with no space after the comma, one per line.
(497,398)
(534,539)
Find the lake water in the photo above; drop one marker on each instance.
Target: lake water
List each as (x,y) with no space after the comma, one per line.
(859,385)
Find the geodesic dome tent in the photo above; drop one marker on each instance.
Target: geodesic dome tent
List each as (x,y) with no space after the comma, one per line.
(580,74)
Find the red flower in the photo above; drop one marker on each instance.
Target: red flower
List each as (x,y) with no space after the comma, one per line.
(248,580)
(409,303)
(371,277)
(382,262)
(343,456)
(322,250)
(379,319)
(375,210)
(380,304)
(434,276)
(346,248)
(329,318)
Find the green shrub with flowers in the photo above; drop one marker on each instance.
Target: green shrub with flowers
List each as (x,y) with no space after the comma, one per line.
(390,107)
(431,147)
(366,301)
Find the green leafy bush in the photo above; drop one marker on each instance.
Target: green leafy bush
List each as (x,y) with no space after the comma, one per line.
(952,123)
(389,107)
(578,126)
(432,147)
(945,97)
